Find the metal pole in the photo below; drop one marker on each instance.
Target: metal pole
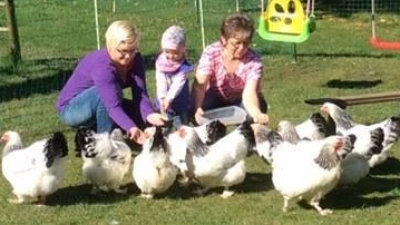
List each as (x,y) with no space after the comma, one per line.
(373,18)
(262,7)
(203,38)
(294,56)
(196,6)
(97,24)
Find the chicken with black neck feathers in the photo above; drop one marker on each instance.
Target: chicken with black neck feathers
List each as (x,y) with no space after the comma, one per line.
(222,163)
(153,170)
(308,170)
(106,159)
(36,171)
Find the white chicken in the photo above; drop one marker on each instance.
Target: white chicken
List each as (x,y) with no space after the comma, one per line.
(345,125)
(356,165)
(222,163)
(208,133)
(36,171)
(153,171)
(289,132)
(308,170)
(211,131)
(267,141)
(314,128)
(106,159)
(341,118)
(391,130)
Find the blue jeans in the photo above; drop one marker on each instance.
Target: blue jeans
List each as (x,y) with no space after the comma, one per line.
(212,101)
(87,109)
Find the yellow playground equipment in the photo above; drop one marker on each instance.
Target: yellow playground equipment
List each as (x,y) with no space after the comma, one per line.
(286,21)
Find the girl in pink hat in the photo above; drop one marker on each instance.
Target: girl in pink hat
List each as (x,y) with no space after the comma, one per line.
(172,69)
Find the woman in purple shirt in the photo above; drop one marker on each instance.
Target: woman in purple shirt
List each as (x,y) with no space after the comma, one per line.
(93,94)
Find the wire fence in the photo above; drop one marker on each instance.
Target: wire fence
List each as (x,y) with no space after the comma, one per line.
(56,33)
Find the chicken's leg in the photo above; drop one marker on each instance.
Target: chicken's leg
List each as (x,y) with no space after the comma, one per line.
(321,211)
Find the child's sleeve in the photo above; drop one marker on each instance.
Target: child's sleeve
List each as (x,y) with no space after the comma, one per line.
(178,81)
(161,85)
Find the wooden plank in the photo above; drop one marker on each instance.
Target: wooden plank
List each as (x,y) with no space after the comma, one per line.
(357,99)
(382,95)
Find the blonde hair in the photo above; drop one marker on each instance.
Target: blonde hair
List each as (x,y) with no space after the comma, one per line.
(121,31)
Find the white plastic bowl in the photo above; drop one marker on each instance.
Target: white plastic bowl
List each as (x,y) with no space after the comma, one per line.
(230,115)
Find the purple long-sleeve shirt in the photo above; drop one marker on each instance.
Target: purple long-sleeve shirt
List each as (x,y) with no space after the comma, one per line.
(97,69)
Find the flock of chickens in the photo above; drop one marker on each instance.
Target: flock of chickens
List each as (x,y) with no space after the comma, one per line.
(308,160)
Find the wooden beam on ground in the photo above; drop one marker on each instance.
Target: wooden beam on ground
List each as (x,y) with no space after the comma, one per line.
(357,99)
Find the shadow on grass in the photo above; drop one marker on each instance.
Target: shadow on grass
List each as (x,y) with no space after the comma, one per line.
(372,191)
(254,182)
(79,194)
(384,190)
(348,84)
(347,201)
(390,167)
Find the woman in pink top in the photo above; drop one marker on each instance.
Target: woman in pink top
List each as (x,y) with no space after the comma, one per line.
(229,72)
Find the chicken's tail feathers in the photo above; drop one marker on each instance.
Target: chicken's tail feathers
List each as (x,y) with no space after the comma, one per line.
(377,137)
(56,147)
(320,122)
(394,130)
(247,131)
(215,130)
(81,140)
(348,145)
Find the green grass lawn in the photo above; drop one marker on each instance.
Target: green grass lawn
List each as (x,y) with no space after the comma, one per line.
(336,61)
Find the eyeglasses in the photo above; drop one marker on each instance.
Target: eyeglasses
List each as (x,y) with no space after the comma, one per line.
(236,45)
(130,52)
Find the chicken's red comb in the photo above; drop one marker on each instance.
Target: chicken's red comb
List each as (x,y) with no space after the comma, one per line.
(338,144)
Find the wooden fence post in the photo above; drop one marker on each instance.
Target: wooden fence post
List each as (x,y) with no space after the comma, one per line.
(15,49)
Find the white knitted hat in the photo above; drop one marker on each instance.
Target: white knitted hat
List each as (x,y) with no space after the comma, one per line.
(174,38)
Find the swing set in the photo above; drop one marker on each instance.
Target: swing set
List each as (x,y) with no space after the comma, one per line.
(286,21)
(379,43)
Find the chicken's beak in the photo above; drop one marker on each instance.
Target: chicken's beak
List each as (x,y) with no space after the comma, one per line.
(324,110)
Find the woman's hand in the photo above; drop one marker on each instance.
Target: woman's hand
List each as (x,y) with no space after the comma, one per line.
(157,119)
(136,135)
(261,118)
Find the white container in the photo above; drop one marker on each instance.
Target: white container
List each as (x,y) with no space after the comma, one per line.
(230,115)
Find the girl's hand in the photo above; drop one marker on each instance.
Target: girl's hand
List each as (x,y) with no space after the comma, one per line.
(165,104)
